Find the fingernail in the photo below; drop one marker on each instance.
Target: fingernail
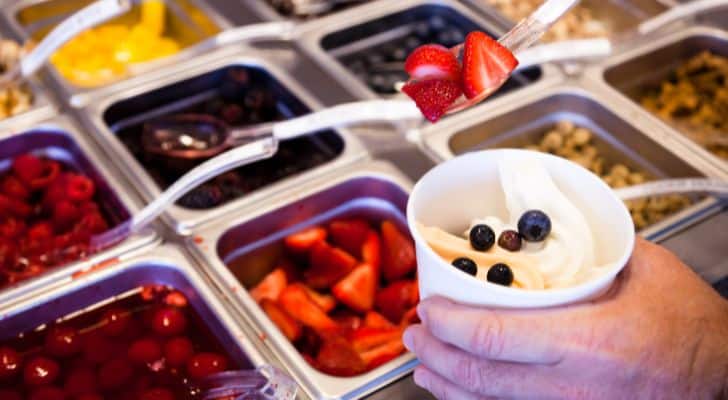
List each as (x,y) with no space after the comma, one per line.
(407,339)
(422,313)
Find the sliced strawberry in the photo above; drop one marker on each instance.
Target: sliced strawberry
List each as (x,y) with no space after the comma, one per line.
(486,64)
(381,354)
(357,290)
(347,320)
(288,325)
(433,96)
(373,319)
(337,357)
(328,265)
(371,250)
(326,302)
(298,304)
(398,252)
(396,299)
(349,234)
(432,61)
(302,241)
(270,287)
(410,317)
(367,338)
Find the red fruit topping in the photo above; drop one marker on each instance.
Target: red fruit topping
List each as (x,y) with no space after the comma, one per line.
(158,394)
(381,354)
(303,241)
(398,252)
(176,299)
(28,167)
(433,96)
(396,299)
(288,325)
(486,64)
(13,188)
(40,371)
(115,321)
(169,321)
(373,319)
(41,231)
(367,338)
(204,364)
(12,228)
(92,222)
(270,287)
(371,250)
(51,172)
(65,213)
(432,61)
(323,301)
(338,357)
(357,289)
(349,234)
(144,351)
(47,393)
(98,349)
(80,188)
(63,341)
(7,394)
(90,396)
(10,362)
(80,381)
(178,350)
(8,254)
(115,373)
(328,265)
(296,301)
(347,320)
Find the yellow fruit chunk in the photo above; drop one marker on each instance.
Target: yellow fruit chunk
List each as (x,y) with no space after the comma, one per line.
(153,16)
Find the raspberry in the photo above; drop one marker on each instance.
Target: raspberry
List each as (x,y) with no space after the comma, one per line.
(13,188)
(92,222)
(51,172)
(28,167)
(65,213)
(12,228)
(55,192)
(8,254)
(40,232)
(80,188)
(19,208)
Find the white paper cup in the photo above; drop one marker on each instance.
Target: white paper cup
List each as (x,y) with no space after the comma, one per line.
(454,193)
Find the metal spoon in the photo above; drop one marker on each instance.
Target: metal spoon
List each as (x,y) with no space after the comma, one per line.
(316,7)
(715,187)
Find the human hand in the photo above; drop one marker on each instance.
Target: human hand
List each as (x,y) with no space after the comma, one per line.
(659,333)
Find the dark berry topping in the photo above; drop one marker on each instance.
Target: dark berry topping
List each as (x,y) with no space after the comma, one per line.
(510,240)
(482,237)
(500,274)
(534,226)
(466,265)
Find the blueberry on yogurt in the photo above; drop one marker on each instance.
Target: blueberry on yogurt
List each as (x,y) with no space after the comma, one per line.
(534,226)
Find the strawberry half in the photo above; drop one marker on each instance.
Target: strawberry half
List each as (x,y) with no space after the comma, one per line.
(298,304)
(357,290)
(302,241)
(398,252)
(289,327)
(486,64)
(328,265)
(270,287)
(433,96)
(349,234)
(396,299)
(432,61)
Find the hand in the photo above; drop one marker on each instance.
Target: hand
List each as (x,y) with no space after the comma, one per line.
(659,333)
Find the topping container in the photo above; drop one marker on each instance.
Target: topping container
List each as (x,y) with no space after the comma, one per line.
(373,190)
(282,9)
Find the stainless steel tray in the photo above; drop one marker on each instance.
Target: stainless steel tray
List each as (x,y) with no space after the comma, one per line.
(26,17)
(521,123)
(625,74)
(265,10)
(166,265)
(375,23)
(59,138)
(184,220)
(375,190)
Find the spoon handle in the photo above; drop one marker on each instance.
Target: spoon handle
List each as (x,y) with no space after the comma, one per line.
(529,30)
(680,11)
(567,50)
(674,186)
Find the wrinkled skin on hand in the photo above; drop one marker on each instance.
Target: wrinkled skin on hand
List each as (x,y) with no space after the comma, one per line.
(659,333)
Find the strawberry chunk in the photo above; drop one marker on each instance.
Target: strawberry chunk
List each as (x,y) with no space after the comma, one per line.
(347,320)
(381,354)
(371,250)
(298,304)
(367,338)
(325,302)
(433,96)
(396,299)
(270,287)
(328,265)
(373,319)
(357,290)
(398,252)
(337,357)
(486,65)
(349,234)
(302,241)
(432,61)
(288,325)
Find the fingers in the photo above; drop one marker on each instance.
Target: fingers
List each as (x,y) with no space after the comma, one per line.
(517,336)
(442,388)
(480,376)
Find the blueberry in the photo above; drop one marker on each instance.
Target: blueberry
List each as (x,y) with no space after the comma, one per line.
(534,226)
(500,274)
(202,197)
(510,240)
(466,265)
(482,237)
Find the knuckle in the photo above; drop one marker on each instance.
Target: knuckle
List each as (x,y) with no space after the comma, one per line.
(469,374)
(487,339)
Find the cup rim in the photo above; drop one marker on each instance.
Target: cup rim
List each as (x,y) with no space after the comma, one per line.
(568,294)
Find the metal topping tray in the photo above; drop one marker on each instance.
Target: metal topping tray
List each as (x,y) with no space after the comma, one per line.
(178,90)
(189,21)
(59,138)
(280,9)
(371,190)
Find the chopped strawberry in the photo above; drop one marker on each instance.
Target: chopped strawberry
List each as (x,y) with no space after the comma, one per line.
(349,234)
(398,252)
(486,64)
(373,319)
(357,290)
(433,96)
(326,302)
(328,265)
(302,241)
(270,287)
(410,317)
(367,338)
(396,299)
(382,354)
(432,61)
(371,250)
(337,357)
(297,303)
(288,325)
(347,320)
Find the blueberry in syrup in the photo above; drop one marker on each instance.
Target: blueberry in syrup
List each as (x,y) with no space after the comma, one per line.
(466,265)
(534,226)
(510,240)
(500,274)
(482,237)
